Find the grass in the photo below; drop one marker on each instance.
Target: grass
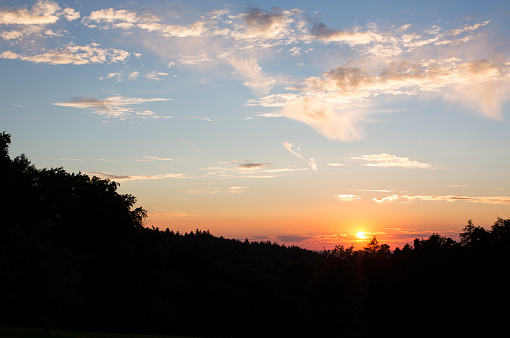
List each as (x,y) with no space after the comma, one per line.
(14,332)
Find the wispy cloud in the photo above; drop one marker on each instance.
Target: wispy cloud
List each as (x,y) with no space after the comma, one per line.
(170,214)
(248,170)
(112,107)
(387,160)
(121,76)
(252,72)
(237,189)
(72,54)
(386,199)
(311,162)
(153,158)
(250,166)
(446,198)
(348,197)
(115,177)
(201,118)
(454,198)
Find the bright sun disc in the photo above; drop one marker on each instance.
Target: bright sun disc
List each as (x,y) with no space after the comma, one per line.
(361,235)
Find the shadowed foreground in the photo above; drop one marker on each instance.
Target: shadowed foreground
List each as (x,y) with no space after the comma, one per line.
(74,255)
(14,332)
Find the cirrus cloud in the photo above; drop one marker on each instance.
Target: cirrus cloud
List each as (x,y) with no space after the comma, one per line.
(112,107)
(387,160)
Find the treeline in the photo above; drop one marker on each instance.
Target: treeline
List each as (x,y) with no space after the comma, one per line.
(75,254)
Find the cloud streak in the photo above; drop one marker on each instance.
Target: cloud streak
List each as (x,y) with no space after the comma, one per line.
(112,107)
(446,198)
(115,177)
(72,54)
(387,160)
(311,162)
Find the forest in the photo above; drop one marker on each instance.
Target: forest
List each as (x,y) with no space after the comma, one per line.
(75,254)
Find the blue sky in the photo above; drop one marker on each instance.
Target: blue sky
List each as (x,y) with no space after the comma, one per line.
(295,121)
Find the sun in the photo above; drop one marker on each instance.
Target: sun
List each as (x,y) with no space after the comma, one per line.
(361,235)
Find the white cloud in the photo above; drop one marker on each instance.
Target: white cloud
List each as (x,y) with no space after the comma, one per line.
(237,189)
(201,118)
(125,19)
(32,22)
(72,54)
(154,158)
(41,13)
(347,198)
(155,75)
(386,199)
(355,37)
(387,160)
(193,59)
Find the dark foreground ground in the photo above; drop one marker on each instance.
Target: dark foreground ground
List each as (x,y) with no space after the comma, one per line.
(15,332)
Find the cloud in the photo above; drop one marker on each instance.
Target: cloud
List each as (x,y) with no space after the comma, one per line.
(237,189)
(155,75)
(33,21)
(262,24)
(311,162)
(115,177)
(72,54)
(347,198)
(252,72)
(335,120)
(268,115)
(112,107)
(292,238)
(125,19)
(446,198)
(340,100)
(249,166)
(170,214)
(454,198)
(387,160)
(321,32)
(193,59)
(153,158)
(481,83)
(201,118)
(248,170)
(386,199)
(204,191)
(42,13)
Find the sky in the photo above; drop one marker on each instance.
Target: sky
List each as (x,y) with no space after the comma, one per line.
(297,122)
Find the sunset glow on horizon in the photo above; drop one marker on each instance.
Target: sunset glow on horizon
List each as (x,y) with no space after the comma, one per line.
(312,124)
